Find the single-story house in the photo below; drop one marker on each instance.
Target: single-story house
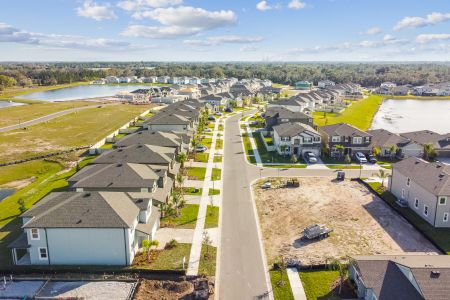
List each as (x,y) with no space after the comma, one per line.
(295,139)
(424,187)
(440,142)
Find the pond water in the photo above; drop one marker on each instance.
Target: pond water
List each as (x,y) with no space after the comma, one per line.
(411,115)
(82,92)
(5,193)
(4,104)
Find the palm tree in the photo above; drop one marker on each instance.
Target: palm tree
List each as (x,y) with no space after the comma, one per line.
(194,144)
(382,175)
(393,151)
(147,245)
(343,271)
(340,149)
(181,158)
(428,152)
(177,200)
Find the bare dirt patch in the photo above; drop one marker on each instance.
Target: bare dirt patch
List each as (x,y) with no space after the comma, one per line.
(155,289)
(18,184)
(362,222)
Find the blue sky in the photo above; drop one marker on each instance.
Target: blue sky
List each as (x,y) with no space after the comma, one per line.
(231,30)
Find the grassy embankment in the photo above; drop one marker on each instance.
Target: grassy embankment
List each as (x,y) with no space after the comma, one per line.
(417,97)
(360,114)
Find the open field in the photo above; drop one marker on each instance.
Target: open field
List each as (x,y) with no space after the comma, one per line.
(362,222)
(360,114)
(19,114)
(81,128)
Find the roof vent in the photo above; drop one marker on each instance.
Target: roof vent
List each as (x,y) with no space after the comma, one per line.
(435,274)
(120,150)
(79,221)
(416,162)
(87,195)
(438,166)
(118,165)
(139,200)
(139,146)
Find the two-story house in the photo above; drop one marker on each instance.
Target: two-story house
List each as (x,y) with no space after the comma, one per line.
(385,140)
(350,138)
(279,115)
(88,228)
(295,139)
(424,187)
(157,138)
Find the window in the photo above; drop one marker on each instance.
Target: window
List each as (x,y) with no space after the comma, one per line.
(445,219)
(285,138)
(403,193)
(408,181)
(442,200)
(357,140)
(425,210)
(317,139)
(34,234)
(307,140)
(43,253)
(336,139)
(416,203)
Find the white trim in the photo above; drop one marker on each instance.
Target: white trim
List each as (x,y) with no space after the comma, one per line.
(46,253)
(38,234)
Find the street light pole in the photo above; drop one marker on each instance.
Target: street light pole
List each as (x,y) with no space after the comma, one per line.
(360,169)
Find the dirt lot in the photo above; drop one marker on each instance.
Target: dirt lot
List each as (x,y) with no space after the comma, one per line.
(362,223)
(155,290)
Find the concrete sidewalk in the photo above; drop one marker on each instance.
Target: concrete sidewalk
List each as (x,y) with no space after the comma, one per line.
(296,284)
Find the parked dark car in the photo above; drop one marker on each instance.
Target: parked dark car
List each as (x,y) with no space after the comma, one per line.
(211,118)
(371,158)
(228,109)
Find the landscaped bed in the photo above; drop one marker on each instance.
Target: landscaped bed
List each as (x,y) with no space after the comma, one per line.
(187,218)
(166,259)
(212,217)
(207,264)
(361,222)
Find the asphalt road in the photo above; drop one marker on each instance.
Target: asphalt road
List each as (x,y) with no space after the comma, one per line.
(242,269)
(45,118)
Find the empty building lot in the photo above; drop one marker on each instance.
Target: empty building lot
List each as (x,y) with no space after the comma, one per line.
(361,222)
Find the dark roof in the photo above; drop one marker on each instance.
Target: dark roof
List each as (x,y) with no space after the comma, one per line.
(284,113)
(20,242)
(167,118)
(125,175)
(384,138)
(293,129)
(433,177)
(139,154)
(439,141)
(148,137)
(83,210)
(343,129)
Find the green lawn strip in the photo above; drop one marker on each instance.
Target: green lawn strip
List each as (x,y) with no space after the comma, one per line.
(201,157)
(119,136)
(186,219)
(280,292)
(213,192)
(192,191)
(212,217)
(219,144)
(251,159)
(34,168)
(196,173)
(343,166)
(317,284)
(107,146)
(296,166)
(217,158)
(216,174)
(247,145)
(440,236)
(211,125)
(360,114)
(207,264)
(169,259)
(206,142)
(220,127)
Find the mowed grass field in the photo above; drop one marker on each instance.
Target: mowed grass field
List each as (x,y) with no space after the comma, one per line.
(14,115)
(82,128)
(360,114)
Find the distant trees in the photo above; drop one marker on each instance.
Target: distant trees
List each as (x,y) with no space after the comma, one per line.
(6,81)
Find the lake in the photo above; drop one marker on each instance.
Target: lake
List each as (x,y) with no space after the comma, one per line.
(411,115)
(6,193)
(81,92)
(4,104)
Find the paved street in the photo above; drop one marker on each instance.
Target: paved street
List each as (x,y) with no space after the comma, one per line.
(242,270)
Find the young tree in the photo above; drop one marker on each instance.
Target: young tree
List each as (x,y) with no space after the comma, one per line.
(282,266)
(393,151)
(347,159)
(181,158)
(376,151)
(343,271)
(283,149)
(147,245)
(177,200)
(294,159)
(340,150)
(22,206)
(382,175)
(207,242)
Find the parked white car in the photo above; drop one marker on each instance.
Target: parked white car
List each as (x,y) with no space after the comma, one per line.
(360,158)
(310,157)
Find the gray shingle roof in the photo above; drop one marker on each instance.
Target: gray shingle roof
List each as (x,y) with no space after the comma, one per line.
(293,129)
(384,138)
(125,175)
(139,154)
(439,141)
(284,113)
(167,118)
(147,137)
(343,129)
(433,177)
(83,210)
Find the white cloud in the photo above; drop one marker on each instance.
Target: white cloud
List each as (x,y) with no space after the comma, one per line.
(248,48)
(431,19)
(130,5)
(225,39)
(179,21)
(296,4)
(372,31)
(425,38)
(263,6)
(10,34)
(96,11)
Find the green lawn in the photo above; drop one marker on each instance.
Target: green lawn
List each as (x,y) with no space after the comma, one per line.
(296,166)
(344,167)
(107,146)
(282,292)
(360,114)
(213,192)
(217,158)
(201,157)
(196,173)
(186,219)
(191,191)
(207,264)
(169,259)
(35,168)
(219,144)
(212,217)
(247,144)
(206,142)
(441,236)
(216,174)
(220,127)
(317,284)
(270,157)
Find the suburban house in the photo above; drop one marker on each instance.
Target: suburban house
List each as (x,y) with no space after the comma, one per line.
(402,277)
(293,104)
(295,139)
(174,140)
(89,228)
(278,115)
(323,84)
(303,85)
(385,140)
(216,101)
(424,187)
(168,122)
(349,137)
(440,142)
(151,155)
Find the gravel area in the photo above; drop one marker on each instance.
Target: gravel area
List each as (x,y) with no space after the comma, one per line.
(363,224)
